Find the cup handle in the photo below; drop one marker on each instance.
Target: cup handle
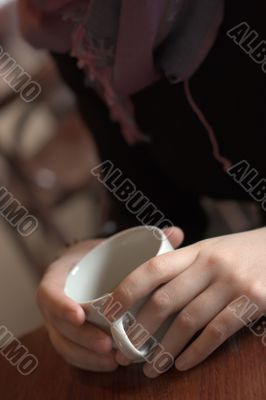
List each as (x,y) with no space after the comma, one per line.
(124,344)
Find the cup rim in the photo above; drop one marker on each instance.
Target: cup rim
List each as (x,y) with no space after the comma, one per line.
(109,241)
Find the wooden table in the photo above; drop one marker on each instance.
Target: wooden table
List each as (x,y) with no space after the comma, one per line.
(236,371)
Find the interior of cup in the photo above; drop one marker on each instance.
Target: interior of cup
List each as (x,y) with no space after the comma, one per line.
(102,269)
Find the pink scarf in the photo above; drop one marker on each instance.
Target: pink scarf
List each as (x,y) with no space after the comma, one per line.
(125,45)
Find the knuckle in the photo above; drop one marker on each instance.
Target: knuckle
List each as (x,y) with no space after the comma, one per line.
(186,319)
(213,259)
(160,300)
(222,263)
(232,277)
(217,331)
(154,265)
(218,258)
(124,292)
(228,258)
(256,292)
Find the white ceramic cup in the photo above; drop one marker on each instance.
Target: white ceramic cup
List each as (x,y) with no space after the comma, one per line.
(92,281)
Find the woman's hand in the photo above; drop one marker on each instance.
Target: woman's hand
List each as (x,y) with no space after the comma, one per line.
(78,342)
(198,283)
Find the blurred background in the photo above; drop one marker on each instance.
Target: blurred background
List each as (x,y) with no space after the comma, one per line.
(45,158)
(46,155)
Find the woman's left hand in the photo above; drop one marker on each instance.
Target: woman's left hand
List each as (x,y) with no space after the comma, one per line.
(198,283)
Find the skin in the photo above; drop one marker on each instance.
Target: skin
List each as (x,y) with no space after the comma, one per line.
(78,342)
(196,283)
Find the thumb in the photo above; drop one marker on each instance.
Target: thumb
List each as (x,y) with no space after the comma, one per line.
(175,235)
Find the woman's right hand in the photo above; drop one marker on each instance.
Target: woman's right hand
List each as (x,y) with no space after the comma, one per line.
(81,344)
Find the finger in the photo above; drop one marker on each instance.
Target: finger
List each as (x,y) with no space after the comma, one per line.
(174,235)
(80,357)
(168,300)
(87,335)
(152,274)
(50,294)
(52,301)
(216,332)
(195,316)
(173,296)
(121,359)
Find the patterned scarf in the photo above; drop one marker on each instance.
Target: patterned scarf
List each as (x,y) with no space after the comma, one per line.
(126,45)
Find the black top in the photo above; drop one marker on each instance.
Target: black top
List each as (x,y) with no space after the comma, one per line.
(230,89)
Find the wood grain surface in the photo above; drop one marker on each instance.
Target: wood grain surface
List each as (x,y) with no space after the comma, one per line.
(236,371)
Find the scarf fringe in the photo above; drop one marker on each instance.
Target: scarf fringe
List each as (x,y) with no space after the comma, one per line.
(121,110)
(94,60)
(226,163)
